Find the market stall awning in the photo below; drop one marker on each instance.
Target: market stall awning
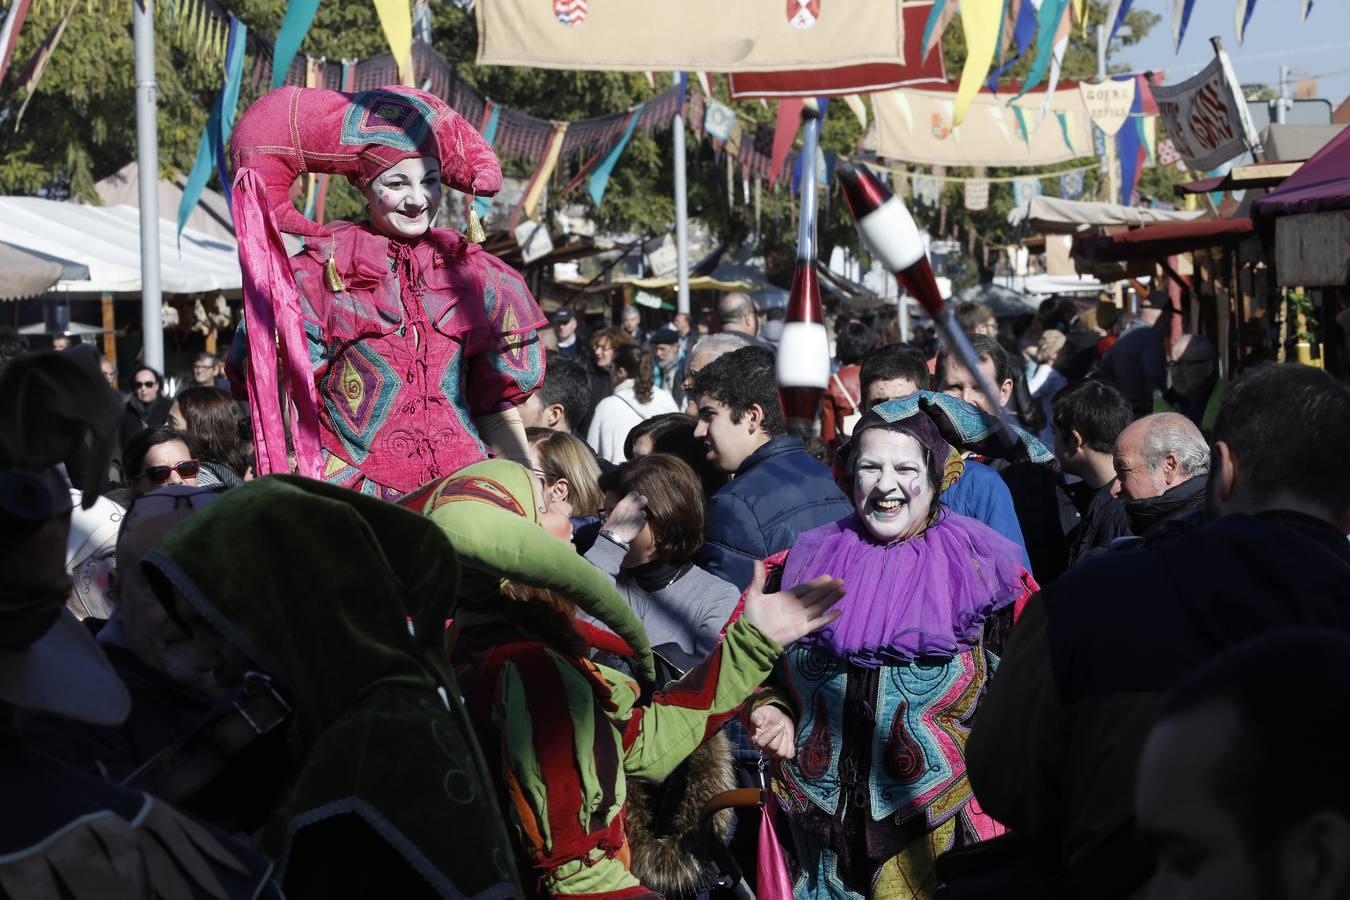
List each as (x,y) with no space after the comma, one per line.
(24,275)
(106,240)
(1321,185)
(702,283)
(1004,302)
(1053,215)
(1163,240)
(1240,178)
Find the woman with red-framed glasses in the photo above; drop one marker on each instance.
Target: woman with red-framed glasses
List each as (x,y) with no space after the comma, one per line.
(157,457)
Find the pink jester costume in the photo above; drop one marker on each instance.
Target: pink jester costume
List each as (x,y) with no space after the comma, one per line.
(388,362)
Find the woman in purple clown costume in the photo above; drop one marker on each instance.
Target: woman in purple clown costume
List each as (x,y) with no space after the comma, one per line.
(395,352)
(868,719)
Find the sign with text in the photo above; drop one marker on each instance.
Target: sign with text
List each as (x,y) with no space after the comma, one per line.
(1204,117)
(1108,102)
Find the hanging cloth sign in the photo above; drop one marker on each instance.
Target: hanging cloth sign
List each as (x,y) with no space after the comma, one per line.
(1071,185)
(977,194)
(1108,102)
(1024,189)
(1205,116)
(718,119)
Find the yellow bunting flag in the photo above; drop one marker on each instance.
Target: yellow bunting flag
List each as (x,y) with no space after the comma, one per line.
(396,20)
(855,104)
(982,22)
(541,175)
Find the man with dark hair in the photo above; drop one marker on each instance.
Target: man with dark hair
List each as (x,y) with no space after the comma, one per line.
(571,343)
(206,369)
(779,490)
(1137,362)
(892,371)
(1044,512)
(1087,417)
(976,318)
(1206,800)
(564,398)
(954,379)
(1056,745)
(737,314)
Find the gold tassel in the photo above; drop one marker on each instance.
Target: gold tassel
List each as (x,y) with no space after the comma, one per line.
(474,230)
(331,276)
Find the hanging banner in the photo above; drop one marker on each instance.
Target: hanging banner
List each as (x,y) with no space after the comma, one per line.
(917,126)
(977,194)
(1108,102)
(1071,185)
(600,177)
(927,189)
(916,69)
(1242,14)
(396,19)
(708,35)
(9,33)
(785,130)
(718,119)
(1024,189)
(294,27)
(1205,116)
(981,22)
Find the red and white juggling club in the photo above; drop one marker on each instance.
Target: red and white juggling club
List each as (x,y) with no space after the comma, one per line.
(888,230)
(804,349)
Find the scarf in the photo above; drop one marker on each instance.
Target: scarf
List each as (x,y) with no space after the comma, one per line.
(924,598)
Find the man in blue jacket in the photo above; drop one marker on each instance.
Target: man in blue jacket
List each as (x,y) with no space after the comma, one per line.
(778,490)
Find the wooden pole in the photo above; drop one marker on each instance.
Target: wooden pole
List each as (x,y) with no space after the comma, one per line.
(109,328)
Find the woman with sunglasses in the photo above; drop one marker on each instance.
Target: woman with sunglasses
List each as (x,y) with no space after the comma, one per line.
(156,457)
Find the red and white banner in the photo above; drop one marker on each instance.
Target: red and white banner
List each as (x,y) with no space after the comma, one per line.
(913,71)
(1206,116)
(689,35)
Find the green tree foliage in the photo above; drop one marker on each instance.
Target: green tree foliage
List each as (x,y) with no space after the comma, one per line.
(81,124)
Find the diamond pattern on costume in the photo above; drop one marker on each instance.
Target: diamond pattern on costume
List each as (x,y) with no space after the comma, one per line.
(358,392)
(453,388)
(401,121)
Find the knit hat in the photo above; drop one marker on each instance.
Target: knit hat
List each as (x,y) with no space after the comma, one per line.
(292,130)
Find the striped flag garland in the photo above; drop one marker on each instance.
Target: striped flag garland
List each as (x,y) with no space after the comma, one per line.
(1181,18)
(1242,14)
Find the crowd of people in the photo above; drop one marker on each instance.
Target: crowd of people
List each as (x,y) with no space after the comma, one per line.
(538,595)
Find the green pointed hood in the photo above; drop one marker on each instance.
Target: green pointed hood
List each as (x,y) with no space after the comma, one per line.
(490,514)
(318,586)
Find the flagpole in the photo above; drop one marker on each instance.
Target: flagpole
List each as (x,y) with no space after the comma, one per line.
(147,162)
(681,215)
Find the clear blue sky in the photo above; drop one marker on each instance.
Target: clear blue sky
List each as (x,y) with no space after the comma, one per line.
(1320,46)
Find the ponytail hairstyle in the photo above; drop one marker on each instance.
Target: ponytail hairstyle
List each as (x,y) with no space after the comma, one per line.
(637,363)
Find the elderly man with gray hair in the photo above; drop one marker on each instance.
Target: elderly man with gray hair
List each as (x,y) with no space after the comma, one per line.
(705,351)
(1162,467)
(738,315)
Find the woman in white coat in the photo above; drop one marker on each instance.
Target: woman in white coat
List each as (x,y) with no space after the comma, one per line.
(635,399)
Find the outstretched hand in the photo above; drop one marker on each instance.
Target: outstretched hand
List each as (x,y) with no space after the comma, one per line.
(788,615)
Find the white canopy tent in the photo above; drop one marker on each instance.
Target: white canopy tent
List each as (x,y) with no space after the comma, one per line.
(107,241)
(1053,215)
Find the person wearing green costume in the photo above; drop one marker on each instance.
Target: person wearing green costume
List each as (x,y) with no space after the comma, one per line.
(562,734)
(336,603)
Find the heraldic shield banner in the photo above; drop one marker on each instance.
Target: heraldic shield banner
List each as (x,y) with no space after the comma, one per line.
(689,35)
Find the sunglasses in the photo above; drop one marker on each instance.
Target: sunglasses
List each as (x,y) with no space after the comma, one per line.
(188,468)
(147,384)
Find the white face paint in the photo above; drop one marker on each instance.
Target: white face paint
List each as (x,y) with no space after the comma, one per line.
(404,198)
(890,485)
